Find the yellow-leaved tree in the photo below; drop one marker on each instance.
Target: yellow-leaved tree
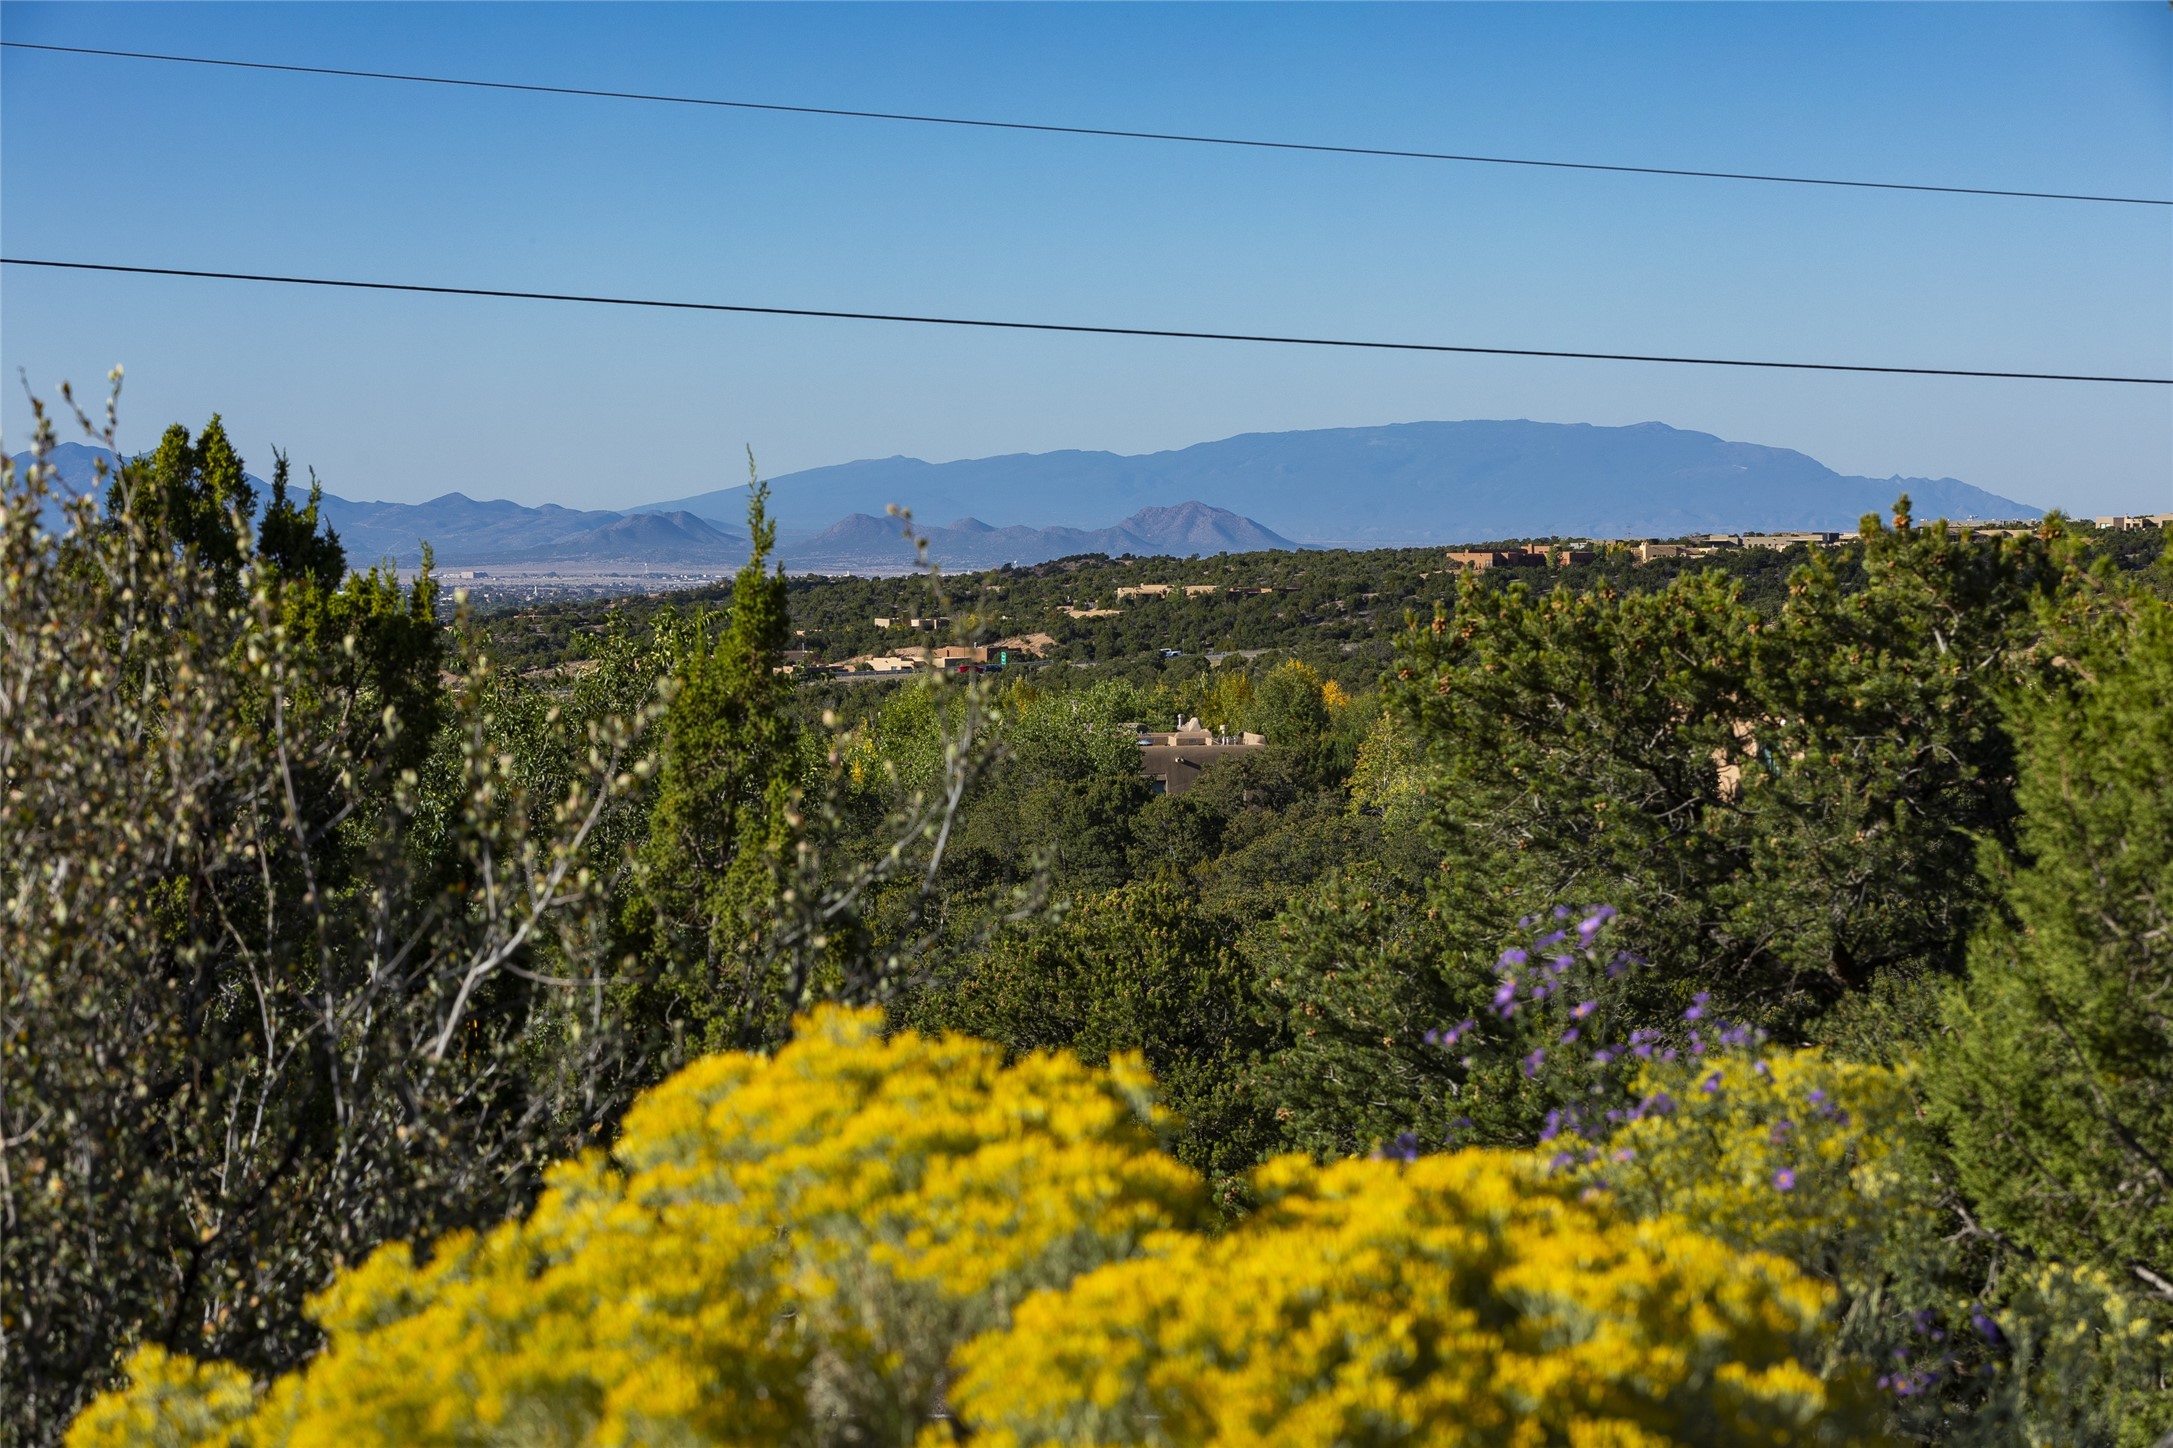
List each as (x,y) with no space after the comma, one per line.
(861,1239)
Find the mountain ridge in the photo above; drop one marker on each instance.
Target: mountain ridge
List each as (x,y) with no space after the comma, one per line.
(863,539)
(1399,484)
(1408,484)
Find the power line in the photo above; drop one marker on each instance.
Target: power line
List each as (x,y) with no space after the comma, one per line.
(563,90)
(1168,332)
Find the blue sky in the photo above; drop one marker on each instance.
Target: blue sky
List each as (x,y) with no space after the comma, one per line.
(404,398)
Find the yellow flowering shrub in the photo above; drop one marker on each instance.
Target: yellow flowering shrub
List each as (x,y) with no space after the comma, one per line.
(171,1400)
(1789,1152)
(2099,1360)
(871,1240)
(1474,1298)
(1823,1162)
(787,1249)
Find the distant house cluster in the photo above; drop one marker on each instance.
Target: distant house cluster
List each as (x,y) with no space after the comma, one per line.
(1646,550)
(951,658)
(1182,590)
(1642,550)
(1163,590)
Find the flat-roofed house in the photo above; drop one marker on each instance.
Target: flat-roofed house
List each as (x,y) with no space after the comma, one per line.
(1789,540)
(1173,759)
(1480,559)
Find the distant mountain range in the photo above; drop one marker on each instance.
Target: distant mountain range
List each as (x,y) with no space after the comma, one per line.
(461,530)
(1411,483)
(862,541)
(1408,484)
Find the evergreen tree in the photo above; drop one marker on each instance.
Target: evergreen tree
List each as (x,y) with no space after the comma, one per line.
(1782,804)
(720,829)
(293,539)
(1134,969)
(2056,1082)
(195,492)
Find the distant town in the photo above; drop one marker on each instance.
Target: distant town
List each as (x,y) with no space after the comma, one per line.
(1013,648)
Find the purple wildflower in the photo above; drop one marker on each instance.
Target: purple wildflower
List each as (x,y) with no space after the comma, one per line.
(1533,1062)
(1582,1009)
(1711,1085)
(1784,1180)
(1697,1005)
(1569,1035)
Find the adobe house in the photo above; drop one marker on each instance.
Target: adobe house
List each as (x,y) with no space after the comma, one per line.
(1174,759)
(1778,541)
(1480,559)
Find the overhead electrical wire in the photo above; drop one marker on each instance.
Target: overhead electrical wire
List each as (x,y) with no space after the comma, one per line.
(1069,327)
(1102,131)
